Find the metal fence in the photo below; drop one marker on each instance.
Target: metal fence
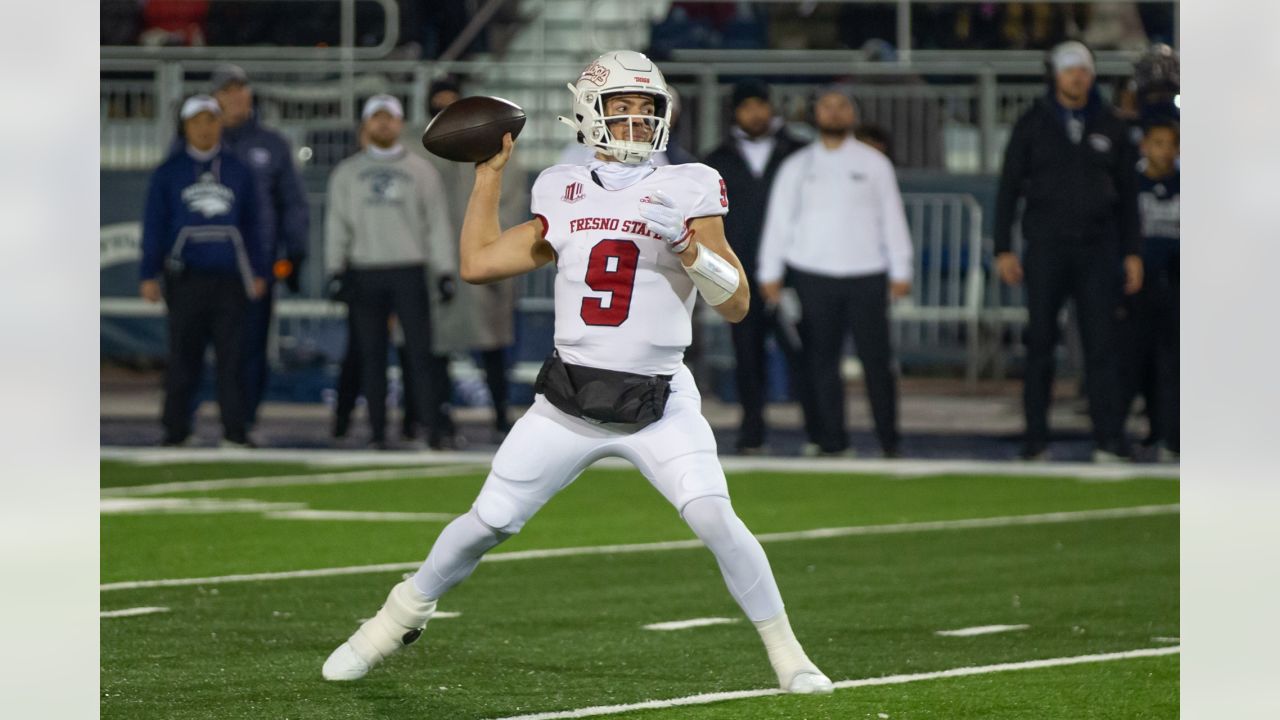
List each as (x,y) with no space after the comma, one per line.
(950,115)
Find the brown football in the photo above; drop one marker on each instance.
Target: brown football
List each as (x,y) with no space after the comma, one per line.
(471,129)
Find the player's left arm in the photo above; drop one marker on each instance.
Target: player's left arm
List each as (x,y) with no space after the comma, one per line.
(708,234)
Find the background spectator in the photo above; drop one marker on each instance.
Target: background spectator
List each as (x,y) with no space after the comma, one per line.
(482,317)
(836,231)
(386,226)
(174,22)
(748,160)
(1151,316)
(283,213)
(201,250)
(1070,158)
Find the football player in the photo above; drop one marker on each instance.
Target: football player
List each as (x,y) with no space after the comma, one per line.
(632,243)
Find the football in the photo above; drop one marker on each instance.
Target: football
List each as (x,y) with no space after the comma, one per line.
(471,129)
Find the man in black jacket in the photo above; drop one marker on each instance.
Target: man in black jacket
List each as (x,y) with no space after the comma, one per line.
(1070,159)
(748,160)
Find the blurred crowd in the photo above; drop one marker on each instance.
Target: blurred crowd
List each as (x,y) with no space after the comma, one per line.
(427,27)
(935,26)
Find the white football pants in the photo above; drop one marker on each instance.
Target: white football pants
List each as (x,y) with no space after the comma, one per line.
(546,450)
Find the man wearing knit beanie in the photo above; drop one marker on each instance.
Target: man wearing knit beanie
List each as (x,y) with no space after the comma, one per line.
(748,160)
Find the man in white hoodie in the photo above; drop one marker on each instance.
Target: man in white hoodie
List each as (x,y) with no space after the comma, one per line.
(836,232)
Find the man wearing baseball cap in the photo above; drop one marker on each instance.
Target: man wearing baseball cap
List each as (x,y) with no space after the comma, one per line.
(386,227)
(202,253)
(1069,157)
(285,216)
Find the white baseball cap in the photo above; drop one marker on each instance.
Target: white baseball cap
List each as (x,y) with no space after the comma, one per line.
(389,103)
(197,104)
(1071,54)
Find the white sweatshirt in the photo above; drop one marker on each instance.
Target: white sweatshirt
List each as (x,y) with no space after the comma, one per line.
(836,213)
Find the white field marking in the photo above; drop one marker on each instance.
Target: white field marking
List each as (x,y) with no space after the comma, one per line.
(692,623)
(708,698)
(138,506)
(731,463)
(306,514)
(1166,639)
(930,526)
(130,612)
(340,478)
(980,630)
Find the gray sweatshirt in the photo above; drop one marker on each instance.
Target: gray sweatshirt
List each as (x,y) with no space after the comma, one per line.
(387,209)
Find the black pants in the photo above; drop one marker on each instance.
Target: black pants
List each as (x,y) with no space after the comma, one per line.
(348,390)
(751,371)
(830,308)
(204,309)
(376,295)
(1090,275)
(495,376)
(257,327)
(1149,337)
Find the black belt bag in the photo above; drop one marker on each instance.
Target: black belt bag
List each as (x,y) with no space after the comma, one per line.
(603,395)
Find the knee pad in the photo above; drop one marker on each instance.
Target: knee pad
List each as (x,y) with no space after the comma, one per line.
(502,507)
(702,476)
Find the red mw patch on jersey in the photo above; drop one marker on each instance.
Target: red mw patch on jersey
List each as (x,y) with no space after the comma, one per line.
(573,192)
(724,194)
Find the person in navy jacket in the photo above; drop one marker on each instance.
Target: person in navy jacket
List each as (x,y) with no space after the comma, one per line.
(283,214)
(202,253)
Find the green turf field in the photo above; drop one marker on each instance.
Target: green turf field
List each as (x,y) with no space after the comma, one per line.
(539,634)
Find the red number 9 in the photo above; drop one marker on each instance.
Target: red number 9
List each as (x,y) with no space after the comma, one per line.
(616,278)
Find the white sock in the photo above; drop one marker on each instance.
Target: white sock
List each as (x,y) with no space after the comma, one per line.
(785,654)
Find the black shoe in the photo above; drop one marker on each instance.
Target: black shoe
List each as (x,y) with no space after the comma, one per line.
(243,443)
(378,444)
(175,441)
(340,427)
(893,452)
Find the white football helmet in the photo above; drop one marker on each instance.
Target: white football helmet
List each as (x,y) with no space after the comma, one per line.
(614,73)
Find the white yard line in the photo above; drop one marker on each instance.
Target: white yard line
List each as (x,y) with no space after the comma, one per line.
(130,612)
(1166,639)
(966,524)
(358,515)
(138,506)
(708,698)
(691,623)
(731,463)
(340,478)
(980,630)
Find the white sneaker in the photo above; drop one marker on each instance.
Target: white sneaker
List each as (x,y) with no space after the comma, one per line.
(810,683)
(400,621)
(1165,455)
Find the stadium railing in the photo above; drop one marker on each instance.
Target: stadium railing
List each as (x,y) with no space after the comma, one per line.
(950,114)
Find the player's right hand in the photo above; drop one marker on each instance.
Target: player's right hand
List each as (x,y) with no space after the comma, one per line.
(499,161)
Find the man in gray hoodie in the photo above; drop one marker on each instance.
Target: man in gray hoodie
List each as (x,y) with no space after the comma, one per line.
(386,228)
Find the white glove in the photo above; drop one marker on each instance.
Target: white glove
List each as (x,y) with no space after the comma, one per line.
(665,221)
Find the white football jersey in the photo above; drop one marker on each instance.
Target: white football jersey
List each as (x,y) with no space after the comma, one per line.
(623,301)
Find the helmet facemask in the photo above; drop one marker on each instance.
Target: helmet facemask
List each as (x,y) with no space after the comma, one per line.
(621,72)
(622,136)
